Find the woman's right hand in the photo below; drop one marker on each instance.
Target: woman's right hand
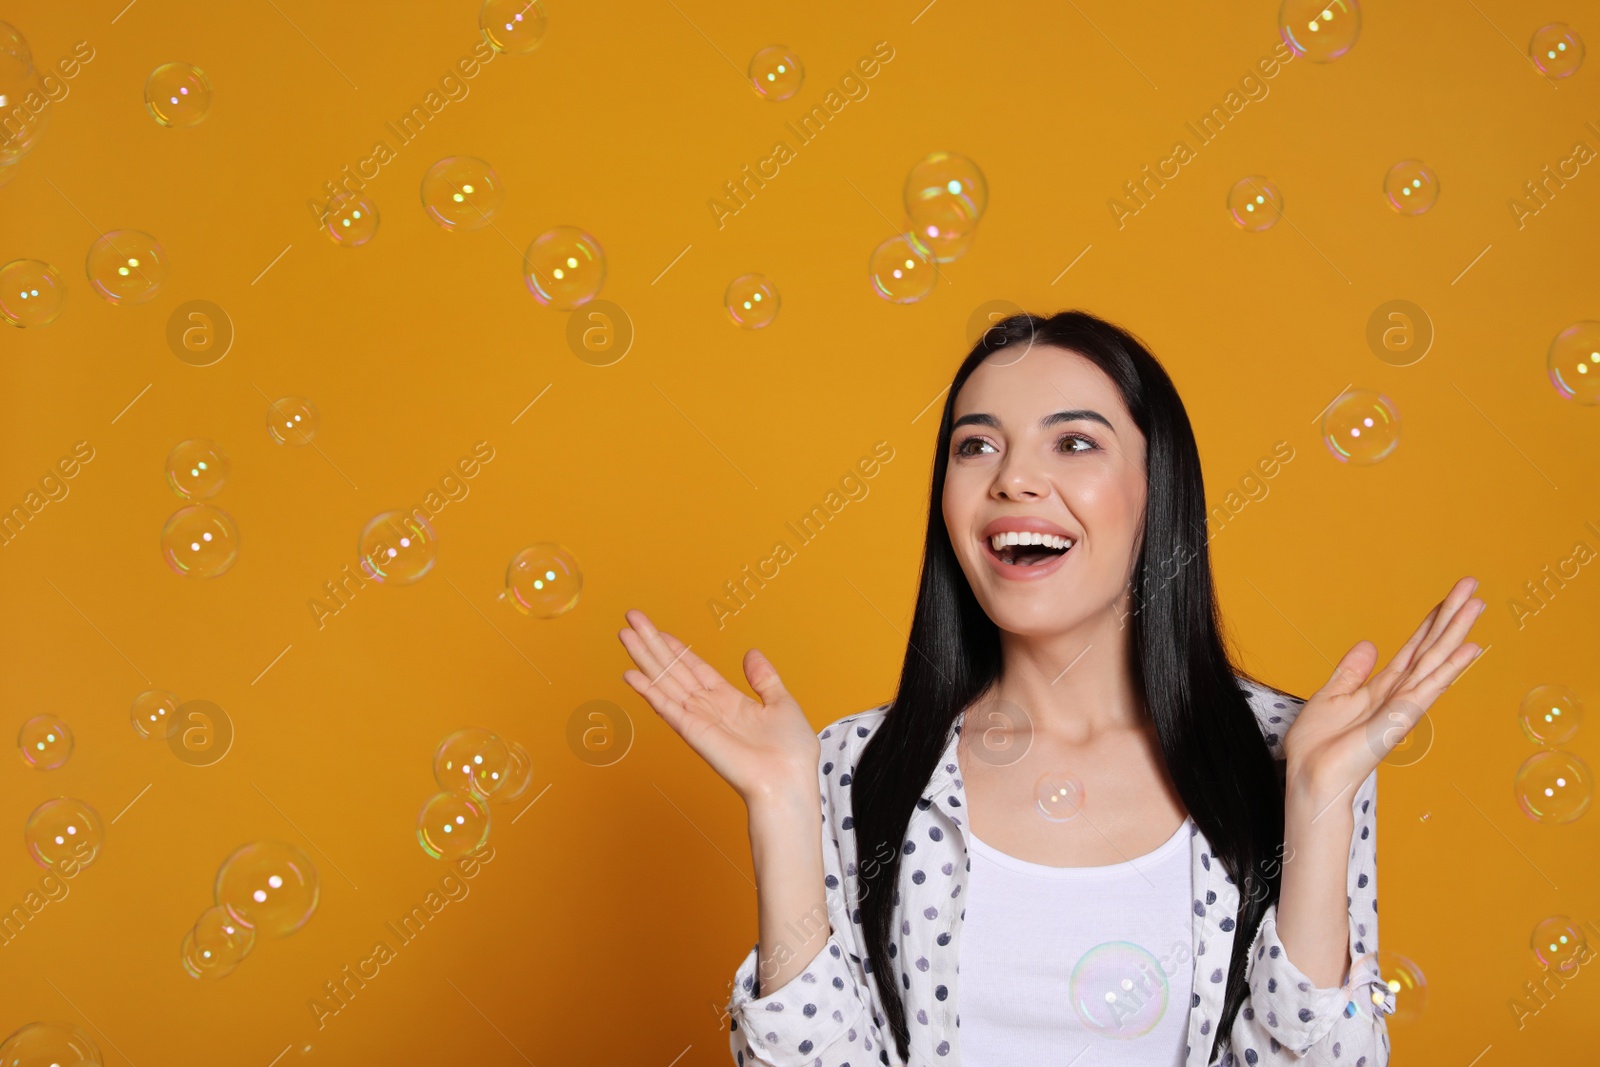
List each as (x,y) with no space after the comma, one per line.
(764,748)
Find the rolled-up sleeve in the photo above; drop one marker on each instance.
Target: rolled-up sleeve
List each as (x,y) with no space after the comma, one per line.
(1289,1017)
(823,1016)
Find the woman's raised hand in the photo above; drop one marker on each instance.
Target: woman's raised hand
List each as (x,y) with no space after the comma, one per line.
(764,748)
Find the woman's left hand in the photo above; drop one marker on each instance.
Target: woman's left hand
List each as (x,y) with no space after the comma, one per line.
(1348,726)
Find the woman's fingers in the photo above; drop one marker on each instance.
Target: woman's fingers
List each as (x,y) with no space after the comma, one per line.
(1384,681)
(652,665)
(668,709)
(1450,639)
(669,661)
(1459,594)
(703,672)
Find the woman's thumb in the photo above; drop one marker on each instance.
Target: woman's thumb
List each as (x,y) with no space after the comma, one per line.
(763,677)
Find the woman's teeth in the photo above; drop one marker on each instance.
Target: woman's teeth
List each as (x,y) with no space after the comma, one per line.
(1001,540)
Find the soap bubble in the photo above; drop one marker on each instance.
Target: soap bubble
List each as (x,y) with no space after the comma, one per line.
(269,886)
(1058,797)
(1557,943)
(1255,203)
(49,1045)
(452,824)
(12,43)
(126,266)
(31,293)
(1554,786)
(1361,427)
(292,420)
(200,541)
(900,272)
(23,126)
(1557,50)
(564,268)
(197,468)
(776,73)
(64,834)
(519,775)
(350,221)
(945,196)
(1320,30)
(215,946)
(178,95)
(473,760)
(1574,362)
(1118,990)
(1411,186)
(45,742)
(752,301)
(513,27)
(155,714)
(1551,714)
(397,547)
(462,193)
(941,248)
(1406,981)
(543,580)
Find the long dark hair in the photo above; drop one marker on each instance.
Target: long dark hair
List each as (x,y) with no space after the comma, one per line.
(1213,747)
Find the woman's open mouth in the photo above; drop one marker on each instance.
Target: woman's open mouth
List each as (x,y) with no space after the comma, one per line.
(1026,555)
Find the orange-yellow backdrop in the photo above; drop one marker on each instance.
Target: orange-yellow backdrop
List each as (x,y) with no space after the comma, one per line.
(616,908)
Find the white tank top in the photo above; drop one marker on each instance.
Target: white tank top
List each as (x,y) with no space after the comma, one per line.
(1061,961)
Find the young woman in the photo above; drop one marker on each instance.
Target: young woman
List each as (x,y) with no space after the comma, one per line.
(1161,860)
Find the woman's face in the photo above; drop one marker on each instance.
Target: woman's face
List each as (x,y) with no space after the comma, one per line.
(1044,449)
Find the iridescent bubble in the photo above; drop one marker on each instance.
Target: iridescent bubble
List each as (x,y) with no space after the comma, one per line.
(1554,786)
(197,468)
(473,760)
(564,268)
(752,301)
(351,221)
(293,420)
(31,293)
(45,742)
(1558,943)
(1320,30)
(945,196)
(1411,186)
(216,945)
(1557,50)
(1406,981)
(50,1045)
(543,580)
(776,73)
(452,824)
(1362,427)
(14,44)
(64,834)
(1574,362)
(19,84)
(1058,796)
(1255,203)
(178,95)
(900,272)
(1118,990)
(1551,714)
(155,714)
(462,193)
(941,248)
(513,27)
(397,547)
(270,886)
(200,541)
(519,775)
(126,267)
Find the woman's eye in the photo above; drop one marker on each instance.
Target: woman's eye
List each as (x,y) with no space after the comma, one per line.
(972,446)
(1074,443)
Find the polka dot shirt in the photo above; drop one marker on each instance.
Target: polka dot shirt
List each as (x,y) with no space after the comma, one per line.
(831,1014)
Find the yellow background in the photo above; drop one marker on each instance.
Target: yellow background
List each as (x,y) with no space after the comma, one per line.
(611,919)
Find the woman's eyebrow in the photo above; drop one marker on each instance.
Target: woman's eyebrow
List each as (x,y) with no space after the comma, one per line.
(980,418)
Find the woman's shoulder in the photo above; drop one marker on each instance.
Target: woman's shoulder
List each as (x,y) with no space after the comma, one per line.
(1274,709)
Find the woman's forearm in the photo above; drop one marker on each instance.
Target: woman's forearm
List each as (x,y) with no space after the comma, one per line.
(786,849)
(1313,909)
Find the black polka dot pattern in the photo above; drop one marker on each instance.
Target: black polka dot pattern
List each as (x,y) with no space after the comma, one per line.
(831,1014)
